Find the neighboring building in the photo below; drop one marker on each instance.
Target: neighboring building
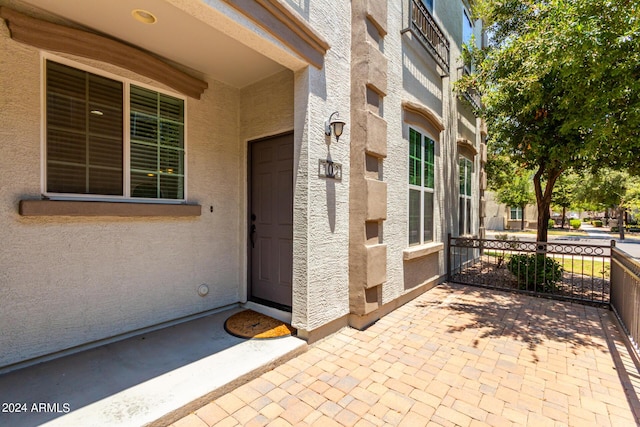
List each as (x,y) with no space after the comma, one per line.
(499,217)
(164,163)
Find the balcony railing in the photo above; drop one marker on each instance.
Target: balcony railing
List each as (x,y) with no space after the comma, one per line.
(471,94)
(429,33)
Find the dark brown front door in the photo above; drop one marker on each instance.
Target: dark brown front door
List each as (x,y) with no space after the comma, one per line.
(271,220)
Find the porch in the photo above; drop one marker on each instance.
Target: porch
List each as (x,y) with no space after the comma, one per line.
(457,355)
(137,380)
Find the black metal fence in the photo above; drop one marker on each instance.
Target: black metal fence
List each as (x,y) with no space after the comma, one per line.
(565,271)
(625,293)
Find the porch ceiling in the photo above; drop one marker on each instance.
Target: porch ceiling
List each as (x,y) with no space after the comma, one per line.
(177,36)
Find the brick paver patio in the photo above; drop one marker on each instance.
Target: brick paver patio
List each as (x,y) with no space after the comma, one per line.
(455,356)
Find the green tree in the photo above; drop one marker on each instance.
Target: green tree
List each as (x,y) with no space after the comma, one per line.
(561,86)
(563,195)
(517,192)
(610,189)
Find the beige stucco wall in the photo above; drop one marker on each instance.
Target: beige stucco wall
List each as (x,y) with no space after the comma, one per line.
(321,214)
(414,77)
(498,214)
(67,281)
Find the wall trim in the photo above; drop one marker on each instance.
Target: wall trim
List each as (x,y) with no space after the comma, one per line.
(466,145)
(413,108)
(323,331)
(287,26)
(363,322)
(415,252)
(59,38)
(90,208)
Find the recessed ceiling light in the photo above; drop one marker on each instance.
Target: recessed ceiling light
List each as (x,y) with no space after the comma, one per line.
(144,16)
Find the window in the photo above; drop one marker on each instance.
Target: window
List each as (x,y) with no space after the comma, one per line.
(464,211)
(428,4)
(421,185)
(467,27)
(515,213)
(88,151)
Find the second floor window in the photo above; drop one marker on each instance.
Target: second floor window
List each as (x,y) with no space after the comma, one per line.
(467,27)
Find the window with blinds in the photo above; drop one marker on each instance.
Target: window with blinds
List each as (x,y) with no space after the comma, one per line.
(86,142)
(464,206)
(421,187)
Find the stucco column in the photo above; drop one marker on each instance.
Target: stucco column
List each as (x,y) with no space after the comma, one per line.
(321,204)
(368,191)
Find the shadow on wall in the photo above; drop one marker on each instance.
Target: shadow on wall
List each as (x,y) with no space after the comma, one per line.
(427,87)
(331,203)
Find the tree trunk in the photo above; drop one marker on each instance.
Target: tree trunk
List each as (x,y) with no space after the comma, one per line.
(543,198)
(621,222)
(522,218)
(564,214)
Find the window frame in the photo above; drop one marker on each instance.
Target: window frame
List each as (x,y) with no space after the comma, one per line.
(518,210)
(422,188)
(465,197)
(466,18)
(426,6)
(127,82)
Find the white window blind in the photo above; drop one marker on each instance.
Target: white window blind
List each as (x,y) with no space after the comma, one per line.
(421,187)
(84,132)
(157,145)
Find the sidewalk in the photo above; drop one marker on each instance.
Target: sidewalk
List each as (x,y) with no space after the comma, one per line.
(455,356)
(593,236)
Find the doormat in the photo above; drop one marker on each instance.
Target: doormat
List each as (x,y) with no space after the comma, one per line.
(250,324)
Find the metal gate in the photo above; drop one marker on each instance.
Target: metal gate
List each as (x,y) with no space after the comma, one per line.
(567,271)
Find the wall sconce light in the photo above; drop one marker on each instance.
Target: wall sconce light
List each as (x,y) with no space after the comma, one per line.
(335,126)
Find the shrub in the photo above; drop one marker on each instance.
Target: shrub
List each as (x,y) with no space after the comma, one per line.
(575,223)
(586,219)
(596,223)
(551,224)
(535,272)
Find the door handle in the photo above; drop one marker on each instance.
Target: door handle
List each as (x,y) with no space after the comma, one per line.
(251,233)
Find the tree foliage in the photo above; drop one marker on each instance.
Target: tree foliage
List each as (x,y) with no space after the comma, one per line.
(561,86)
(609,189)
(564,193)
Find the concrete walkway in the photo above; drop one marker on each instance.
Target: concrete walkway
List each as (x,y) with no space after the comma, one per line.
(456,356)
(138,380)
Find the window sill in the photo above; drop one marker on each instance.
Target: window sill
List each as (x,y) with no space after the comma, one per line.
(88,208)
(422,250)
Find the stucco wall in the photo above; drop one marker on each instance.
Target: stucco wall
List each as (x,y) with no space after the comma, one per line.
(66,281)
(321,218)
(413,76)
